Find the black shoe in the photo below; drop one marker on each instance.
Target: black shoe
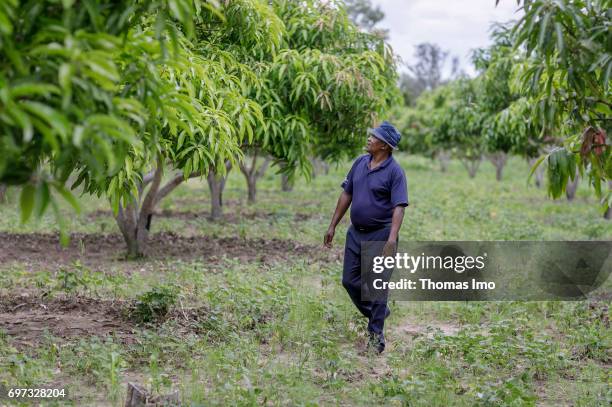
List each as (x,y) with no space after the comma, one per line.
(377,342)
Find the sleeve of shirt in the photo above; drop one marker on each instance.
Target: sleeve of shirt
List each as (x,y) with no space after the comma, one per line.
(347,184)
(399,189)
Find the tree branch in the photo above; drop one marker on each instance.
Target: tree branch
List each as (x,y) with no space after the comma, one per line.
(172,184)
(262,170)
(244,169)
(149,202)
(146,180)
(249,172)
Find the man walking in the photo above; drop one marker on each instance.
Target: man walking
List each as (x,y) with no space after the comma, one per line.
(375,189)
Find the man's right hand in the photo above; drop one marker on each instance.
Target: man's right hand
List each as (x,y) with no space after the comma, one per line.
(329,236)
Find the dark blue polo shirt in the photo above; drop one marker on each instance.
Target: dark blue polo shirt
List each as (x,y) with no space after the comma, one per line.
(375,192)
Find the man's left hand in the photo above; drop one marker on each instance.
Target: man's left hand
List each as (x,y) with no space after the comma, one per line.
(390,248)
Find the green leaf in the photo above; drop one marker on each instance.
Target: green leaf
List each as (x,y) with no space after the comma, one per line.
(101,69)
(65,74)
(559,33)
(26,202)
(68,197)
(57,121)
(6,27)
(61,221)
(77,135)
(31,89)
(42,198)
(23,120)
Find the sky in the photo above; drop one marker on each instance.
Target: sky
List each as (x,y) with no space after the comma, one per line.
(456,25)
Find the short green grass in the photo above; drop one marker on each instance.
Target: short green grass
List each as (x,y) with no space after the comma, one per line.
(287,334)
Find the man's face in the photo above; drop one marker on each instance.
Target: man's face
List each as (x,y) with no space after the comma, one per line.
(374,145)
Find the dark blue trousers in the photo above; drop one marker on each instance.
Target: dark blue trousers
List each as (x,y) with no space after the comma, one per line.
(375,311)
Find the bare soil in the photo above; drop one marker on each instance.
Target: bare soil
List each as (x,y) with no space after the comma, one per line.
(28,316)
(98,251)
(229,217)
(27,319)
(412,329)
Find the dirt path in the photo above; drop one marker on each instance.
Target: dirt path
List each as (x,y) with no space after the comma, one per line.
(412,328)
(97,250)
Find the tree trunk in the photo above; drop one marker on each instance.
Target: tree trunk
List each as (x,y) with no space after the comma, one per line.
(134,217)
(499,161)
(216,190)
(471,164)
(315,167)
(444,158)
(539,172)
(319,167)
(138,396)
(252,189)
(3,189)
(286,185)
(325,167)
(252,174)
(126,220)
(571,187)
(216,184)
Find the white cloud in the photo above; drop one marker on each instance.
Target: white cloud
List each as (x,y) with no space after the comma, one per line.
(456,25)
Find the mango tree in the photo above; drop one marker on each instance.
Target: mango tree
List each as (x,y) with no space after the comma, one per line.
(60,101)
(199,131)
(567,74)
(113,100)
(464,123)
(249,33)
(495,94)
(424,128)
(515,124)
(193,129)
(320,90)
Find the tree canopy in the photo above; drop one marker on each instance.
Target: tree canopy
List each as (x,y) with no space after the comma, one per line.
(112,96)
(566,75)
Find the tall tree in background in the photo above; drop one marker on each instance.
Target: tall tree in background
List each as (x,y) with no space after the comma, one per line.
(494,64)
(364,14)
(426,73)
(410,89)
(424,128)
(465,120)
(428,69)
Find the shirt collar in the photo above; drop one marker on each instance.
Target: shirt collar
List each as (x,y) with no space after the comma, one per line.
(382,165)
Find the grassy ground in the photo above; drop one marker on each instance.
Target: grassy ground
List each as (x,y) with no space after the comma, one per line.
(256,314)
